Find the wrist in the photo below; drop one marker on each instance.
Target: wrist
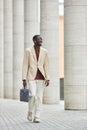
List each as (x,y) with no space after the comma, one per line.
(47,80)
(24,80)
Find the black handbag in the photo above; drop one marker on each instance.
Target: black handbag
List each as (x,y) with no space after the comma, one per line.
(24,94)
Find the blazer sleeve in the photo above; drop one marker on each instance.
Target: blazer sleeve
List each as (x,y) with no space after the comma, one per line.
(25,65)
(46,66)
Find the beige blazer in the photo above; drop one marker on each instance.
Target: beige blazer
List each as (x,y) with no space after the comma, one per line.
(30,64)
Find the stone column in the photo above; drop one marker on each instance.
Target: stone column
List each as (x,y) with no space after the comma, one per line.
(31,20)
(49,33)
(1,48)
(75,84)
(18,46)
(8,48)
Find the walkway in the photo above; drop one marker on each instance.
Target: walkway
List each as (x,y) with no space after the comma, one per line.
(13,117)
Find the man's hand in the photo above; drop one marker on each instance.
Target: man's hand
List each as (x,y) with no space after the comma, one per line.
(47,82)
(24,83)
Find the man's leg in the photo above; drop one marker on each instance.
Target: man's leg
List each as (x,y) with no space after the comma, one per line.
(32,93)
(39,94)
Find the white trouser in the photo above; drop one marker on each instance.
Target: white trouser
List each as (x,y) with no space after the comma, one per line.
(36,89)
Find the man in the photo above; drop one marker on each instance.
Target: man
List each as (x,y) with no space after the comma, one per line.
(36,76)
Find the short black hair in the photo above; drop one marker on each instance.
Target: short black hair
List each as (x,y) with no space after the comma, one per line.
(35,36)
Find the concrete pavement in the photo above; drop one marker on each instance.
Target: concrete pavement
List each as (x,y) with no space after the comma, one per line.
(13,115)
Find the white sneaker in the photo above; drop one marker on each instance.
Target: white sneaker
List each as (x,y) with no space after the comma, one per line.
(29,116)
(36,120)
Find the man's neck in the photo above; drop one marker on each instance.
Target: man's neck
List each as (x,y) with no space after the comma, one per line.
(36,46)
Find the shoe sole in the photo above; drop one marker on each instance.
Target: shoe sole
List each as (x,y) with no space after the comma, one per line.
(36,121)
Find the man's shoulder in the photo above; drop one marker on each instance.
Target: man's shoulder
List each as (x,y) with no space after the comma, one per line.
(28,49)
(44,49)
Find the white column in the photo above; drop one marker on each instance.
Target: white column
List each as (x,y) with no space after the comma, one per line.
(75,54)
(18,46)
(31,20)
(8,48)
(1,48)
(49,33)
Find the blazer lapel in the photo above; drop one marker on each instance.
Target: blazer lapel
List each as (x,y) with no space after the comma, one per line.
(33,53)
(40,54)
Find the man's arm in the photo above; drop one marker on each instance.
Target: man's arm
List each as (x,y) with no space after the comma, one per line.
(46,68)
(25,67)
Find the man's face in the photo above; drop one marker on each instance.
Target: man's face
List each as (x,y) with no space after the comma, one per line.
(38,41)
